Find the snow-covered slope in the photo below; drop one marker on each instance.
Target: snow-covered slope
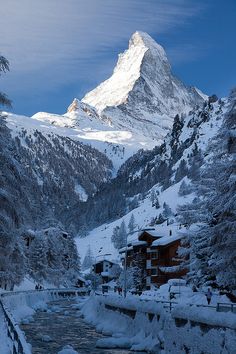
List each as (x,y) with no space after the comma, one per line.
(59,171)
(117,145)
(100,238)
(162,171)
(142,94)
(133,109)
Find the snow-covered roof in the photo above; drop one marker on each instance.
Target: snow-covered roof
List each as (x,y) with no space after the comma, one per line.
(123,249)
(139,243)
(104,260)
(81,279)
(152,232)
(105,274)
(130,247)
(166,240)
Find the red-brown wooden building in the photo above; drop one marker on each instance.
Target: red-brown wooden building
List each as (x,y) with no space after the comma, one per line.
(157,256)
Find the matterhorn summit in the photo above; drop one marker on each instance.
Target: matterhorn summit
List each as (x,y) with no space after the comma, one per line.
(134,109)
(142,94)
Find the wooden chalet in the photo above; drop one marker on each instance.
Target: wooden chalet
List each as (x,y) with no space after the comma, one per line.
(156,256)
(102,268)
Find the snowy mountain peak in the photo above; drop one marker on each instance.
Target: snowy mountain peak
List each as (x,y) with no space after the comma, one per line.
(143,39)
(142,94)
(80,108)
(73,106)
(77,106)
(130,67)
(115,90)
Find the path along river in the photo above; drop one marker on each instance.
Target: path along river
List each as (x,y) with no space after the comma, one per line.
(61,325)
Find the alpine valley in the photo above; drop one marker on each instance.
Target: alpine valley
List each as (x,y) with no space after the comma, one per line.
(132,148)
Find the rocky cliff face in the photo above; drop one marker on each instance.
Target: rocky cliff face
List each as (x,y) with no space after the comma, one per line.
(142,94)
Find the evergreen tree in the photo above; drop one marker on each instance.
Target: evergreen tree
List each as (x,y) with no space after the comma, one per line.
(12,260)
(157,204)
(160,219)
(181,171)
(119,236)
(131,224)
(4,67)
(167,212)
(153,197)
(122,235)
(115,237)
(184,189)
(138,273)
(88,259)
(114,271)
(129,278)
(212,245)
(195,162)
(38,259)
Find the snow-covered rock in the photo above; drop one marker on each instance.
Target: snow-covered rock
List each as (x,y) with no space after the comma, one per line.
(68,349)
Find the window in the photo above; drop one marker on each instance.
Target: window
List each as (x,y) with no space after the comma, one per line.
(154,255)
(148,264)
(153,271)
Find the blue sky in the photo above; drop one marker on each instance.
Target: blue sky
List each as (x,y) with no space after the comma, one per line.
(61,49)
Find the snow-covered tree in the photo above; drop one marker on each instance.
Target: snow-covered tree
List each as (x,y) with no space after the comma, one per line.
(38,265)
(115,237)
(129,278)
(212,242)
(114,271)
(181,171)
(153,196)
(12,260)
(184,189)
(138,266)
(4,67)
(131,224)
(122,234)
(167,212)
(195,161)
(154,199)
(160,219)
(119,236)
(88,259)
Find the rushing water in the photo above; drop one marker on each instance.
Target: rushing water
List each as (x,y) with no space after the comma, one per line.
(64,326)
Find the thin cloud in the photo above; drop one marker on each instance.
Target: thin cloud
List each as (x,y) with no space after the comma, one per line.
(186,53)
(50,42)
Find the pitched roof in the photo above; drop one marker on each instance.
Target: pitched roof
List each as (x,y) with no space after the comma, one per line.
(166,240)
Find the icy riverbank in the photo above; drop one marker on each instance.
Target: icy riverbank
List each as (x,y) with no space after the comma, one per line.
(147,326)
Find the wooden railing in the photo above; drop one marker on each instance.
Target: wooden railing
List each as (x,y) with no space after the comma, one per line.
(169,305)
(17,339)
(224,307)
(15,335)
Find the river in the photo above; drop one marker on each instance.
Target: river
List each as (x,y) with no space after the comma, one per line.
(61,325)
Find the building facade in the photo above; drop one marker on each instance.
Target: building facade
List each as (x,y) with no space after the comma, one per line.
(156,256)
